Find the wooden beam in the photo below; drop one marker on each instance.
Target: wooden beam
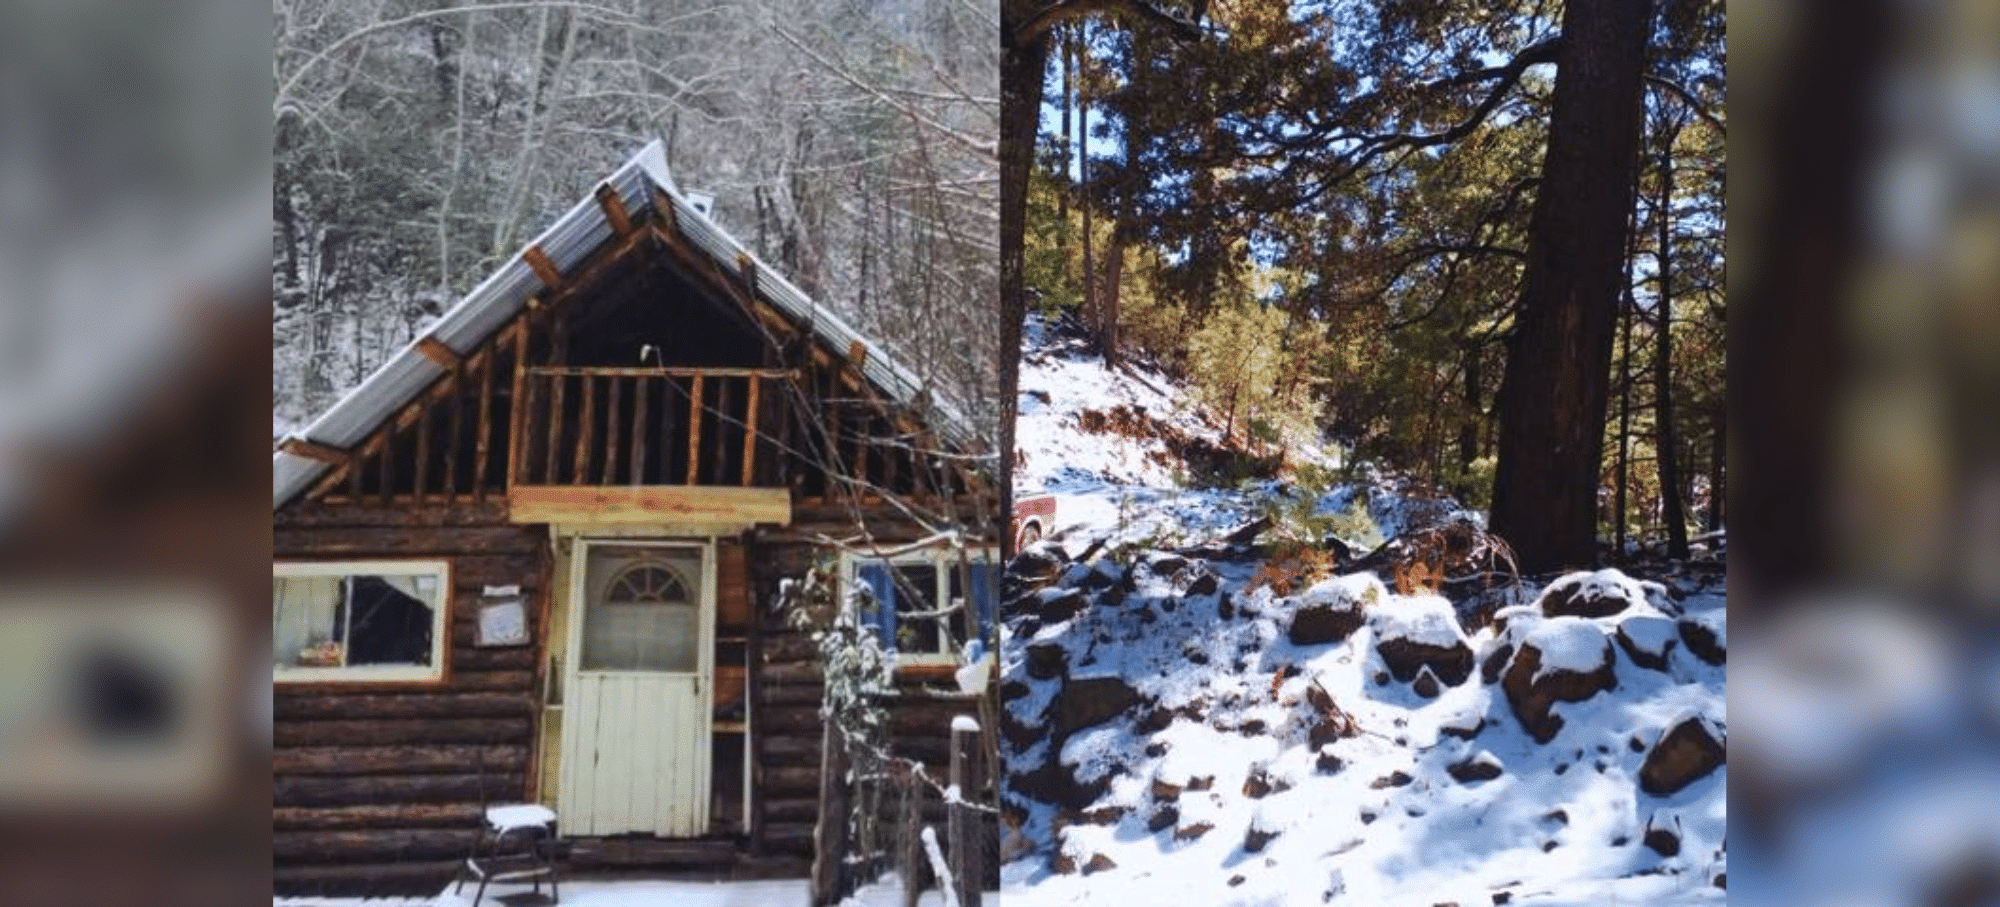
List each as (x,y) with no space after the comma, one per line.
(516,456)
(313,450)
(436,351)
(614,210)
(857,354)
(750,434)
(746,271)
(545,269)
(611,433)
(483,364)
(585,422)
(727,506)
(639,431)
(694,432)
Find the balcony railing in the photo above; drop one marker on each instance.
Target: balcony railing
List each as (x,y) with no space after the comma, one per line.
(649,426)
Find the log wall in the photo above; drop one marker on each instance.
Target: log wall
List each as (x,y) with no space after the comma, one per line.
(378,788)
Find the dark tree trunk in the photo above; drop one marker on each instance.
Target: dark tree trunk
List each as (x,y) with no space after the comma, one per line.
(1468,432)
(1718,454)
(1552,401)
(1023,60)
(1673,510)
(1624,422)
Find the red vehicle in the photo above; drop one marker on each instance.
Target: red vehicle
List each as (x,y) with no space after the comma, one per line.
(1034,516)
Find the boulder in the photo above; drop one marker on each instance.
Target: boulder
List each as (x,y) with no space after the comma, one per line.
(1427,683)
(1037,565)
(1481,766)
(1089,701)
(1053,606)
(1686,753)
(1414,633)
(1047,660)
(1647,639)
(1705,639)
(1314,625)
(1566,659)
(1591,594)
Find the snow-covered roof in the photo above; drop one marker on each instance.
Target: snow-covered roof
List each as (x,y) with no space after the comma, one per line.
(567,243)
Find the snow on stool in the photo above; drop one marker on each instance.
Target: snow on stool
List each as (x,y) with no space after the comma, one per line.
(519,815)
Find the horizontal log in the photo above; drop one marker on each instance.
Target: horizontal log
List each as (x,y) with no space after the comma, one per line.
(788,647)
(652,852)
(791,781)
(416,759)
(403,542)
(286,707)
(372,845)
(471,573)
(497,681)
(401,815)
(365,790)
(789,720)
(505,658)
(793,673)
(789,837)
(491,513)
(790,749)
(791,809)
(792,694)
(384,731)
(422,878)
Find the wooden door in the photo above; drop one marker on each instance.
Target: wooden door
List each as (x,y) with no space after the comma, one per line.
(636,718)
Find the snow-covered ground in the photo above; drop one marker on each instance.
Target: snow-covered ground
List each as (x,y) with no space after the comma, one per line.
(1213,780)
(622,893)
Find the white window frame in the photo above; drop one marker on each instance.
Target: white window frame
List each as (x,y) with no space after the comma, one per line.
(440,622)
(945,559)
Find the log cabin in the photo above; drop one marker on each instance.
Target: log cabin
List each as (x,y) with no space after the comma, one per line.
(540,555)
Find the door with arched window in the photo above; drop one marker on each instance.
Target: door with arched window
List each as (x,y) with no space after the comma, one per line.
(635,752)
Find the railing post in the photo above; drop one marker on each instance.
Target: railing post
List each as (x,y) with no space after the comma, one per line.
(961,822)
(912,857)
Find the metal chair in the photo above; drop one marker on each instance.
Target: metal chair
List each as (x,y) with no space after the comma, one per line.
(517,843)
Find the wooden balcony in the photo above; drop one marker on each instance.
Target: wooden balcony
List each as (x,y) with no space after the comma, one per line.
(650,444)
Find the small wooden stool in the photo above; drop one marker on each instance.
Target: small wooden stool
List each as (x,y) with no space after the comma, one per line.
(518,842)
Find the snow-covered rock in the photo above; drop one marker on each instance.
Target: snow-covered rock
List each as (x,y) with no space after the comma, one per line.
(1602,593)
(1415,633)
(1563,659)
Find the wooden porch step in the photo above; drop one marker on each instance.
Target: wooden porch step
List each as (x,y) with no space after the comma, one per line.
(694,853)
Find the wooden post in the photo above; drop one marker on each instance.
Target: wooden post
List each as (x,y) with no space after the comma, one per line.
(518,412)
(639,429)
(485,367)
(830,832)
(586,422)
(694,432)
(554,424)
(961,822)
(913,846)
(750,435)
(611,433)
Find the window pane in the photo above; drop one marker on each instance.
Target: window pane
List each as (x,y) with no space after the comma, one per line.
(302,621)
(641,613)
(916,592)
(390,620)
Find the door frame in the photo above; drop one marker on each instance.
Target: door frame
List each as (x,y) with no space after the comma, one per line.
(573,761)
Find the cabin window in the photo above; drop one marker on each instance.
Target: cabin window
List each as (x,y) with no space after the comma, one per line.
(918,603)
(359,621)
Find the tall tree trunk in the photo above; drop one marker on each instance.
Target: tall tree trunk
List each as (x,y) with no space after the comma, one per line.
(1674,512)
(1024,58)
(1624,420)
(1468,431)
(1062,135)
(1718,454)
(1552,401)
(1091,316)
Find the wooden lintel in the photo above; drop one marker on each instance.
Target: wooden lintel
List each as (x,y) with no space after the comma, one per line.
(706,504)
(545,269)
(313,450)
(614,210)
(436,351)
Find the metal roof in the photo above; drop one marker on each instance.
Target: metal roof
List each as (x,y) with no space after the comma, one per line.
(573,238)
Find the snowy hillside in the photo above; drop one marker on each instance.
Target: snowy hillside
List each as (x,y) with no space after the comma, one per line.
(1117,447)
(1196,727)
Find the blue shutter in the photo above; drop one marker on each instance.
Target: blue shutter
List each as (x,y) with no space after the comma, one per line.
(881,582)
(986,596)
